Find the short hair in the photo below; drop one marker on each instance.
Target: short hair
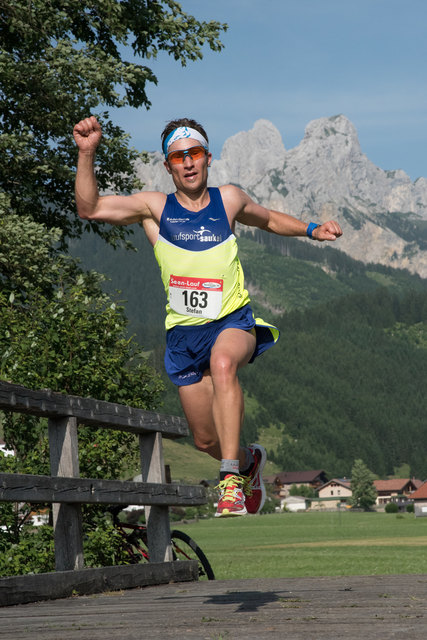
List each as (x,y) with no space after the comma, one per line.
(182,122)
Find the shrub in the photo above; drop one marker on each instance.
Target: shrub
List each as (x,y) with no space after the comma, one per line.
(391,507)
(270,505)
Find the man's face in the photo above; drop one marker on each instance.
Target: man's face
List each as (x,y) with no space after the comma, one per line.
(191,174)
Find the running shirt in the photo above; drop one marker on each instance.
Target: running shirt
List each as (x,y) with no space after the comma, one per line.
(198,258)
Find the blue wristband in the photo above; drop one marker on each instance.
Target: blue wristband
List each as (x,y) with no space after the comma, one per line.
(311,227)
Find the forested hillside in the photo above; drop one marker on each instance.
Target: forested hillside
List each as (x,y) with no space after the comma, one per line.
(347,379)
(347,382)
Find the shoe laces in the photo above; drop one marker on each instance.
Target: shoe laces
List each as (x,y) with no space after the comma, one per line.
(228,486)
(247,486)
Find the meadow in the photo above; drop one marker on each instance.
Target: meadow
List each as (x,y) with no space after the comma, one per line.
(312,544)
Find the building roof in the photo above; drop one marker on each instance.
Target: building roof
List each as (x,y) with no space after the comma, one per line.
(417,483)
(394,484)
(343,482)
(421,493)
(297,477)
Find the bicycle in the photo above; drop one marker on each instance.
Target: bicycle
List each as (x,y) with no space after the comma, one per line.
(135,543)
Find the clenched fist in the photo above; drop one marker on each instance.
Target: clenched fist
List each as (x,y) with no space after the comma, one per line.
(87,134)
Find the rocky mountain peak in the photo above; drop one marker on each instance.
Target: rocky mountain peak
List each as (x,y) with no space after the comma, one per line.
(324,128)
(333,139)
(249,154)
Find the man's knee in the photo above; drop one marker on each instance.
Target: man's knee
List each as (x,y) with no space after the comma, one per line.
(223,367)
(207,445)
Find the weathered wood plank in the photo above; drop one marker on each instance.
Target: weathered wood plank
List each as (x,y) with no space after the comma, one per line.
(62,584)
(67,518)
(30,488)
(336,608)
(67,492)
(94,413)
(157,517)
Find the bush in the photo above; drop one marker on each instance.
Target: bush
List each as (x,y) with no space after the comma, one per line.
(391,507)
(33,553)
(410,508)
(270,505)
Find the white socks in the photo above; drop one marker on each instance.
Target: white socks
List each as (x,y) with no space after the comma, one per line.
(228,467)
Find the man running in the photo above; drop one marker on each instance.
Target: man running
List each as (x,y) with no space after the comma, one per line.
(211,331)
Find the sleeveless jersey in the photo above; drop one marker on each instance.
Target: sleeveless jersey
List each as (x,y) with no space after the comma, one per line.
(199,263)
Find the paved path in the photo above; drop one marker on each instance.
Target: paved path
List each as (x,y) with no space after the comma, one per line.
(367,608)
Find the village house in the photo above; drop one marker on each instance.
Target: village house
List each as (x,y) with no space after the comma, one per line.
(395,490)
(5,450)
(283,481)
(40,517)
(334,494)
(37,518)
(420,500)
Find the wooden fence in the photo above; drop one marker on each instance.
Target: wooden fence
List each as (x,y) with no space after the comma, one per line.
(67,492)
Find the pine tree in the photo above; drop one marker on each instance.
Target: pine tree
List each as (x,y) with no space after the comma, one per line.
(364,494)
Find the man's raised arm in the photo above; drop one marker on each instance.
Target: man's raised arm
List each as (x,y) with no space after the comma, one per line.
(87,135)
(118,210)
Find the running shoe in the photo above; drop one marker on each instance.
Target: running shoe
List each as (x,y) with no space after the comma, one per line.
(231,498)
(253,486)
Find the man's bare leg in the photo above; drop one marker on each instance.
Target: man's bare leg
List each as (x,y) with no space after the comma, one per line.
(196,400)
(232,350)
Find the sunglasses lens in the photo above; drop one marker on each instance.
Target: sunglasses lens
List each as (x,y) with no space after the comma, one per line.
(197,153)
(177,157)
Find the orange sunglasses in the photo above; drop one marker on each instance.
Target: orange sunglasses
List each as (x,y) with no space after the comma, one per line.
(178,157)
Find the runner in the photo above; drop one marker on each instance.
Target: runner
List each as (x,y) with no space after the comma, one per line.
(211,331)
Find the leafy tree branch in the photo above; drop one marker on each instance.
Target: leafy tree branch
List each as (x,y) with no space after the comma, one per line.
(62,60)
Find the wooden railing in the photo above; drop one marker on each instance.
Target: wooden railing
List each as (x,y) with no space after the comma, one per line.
(67,492)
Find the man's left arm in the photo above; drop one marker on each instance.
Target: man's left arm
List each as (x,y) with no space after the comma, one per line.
(254,215)
(285,225)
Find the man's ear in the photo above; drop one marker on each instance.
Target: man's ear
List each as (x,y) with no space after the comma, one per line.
(209,156)
(168,169)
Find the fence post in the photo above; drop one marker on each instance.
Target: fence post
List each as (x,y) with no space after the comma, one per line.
(157,517)
(67,518)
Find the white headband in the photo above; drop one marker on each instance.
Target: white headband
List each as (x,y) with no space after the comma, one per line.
(183,132)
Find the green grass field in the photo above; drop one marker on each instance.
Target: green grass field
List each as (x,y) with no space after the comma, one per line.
(312,544)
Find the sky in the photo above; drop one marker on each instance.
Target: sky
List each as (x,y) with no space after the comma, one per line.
(292,61)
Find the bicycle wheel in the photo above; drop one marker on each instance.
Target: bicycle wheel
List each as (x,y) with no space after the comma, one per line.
(136,546)
(184,548)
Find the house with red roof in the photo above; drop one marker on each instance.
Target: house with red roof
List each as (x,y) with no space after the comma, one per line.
(283,481)
(420,500)
(395,490)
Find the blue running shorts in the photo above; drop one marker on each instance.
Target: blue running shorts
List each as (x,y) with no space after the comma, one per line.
(188,348)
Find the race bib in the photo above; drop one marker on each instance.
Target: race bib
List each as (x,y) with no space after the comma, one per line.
(199,297)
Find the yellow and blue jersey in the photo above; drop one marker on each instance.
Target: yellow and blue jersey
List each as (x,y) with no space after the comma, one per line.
(198,258)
